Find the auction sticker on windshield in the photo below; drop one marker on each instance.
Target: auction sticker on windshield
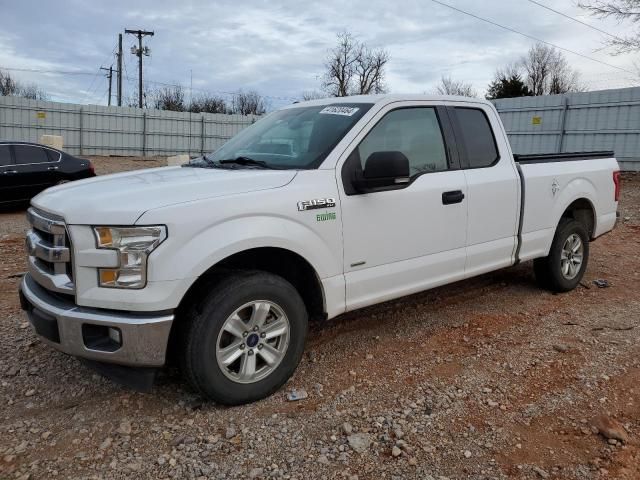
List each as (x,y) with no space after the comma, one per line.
(335,110)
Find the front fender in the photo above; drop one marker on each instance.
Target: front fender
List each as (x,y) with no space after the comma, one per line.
(195,255)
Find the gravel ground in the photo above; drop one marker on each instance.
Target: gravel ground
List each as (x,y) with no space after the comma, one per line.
(486,378)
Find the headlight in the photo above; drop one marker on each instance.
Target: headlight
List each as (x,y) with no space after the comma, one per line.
(133,244)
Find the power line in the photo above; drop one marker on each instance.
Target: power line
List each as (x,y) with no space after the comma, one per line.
(133,79)
(59,72)
(579,21)
(90,91)
(96,76)
(106,92)
(513,30)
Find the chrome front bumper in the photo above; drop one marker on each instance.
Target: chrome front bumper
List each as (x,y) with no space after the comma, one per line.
(142,339)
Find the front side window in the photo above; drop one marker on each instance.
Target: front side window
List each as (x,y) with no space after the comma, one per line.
(293,138)
(477,136)
(415,132)
(29,154)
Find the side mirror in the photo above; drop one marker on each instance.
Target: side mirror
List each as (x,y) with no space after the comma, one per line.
(383,169)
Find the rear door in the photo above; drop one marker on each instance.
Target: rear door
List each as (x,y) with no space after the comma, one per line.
(493,188)
(35,169)
(412,236)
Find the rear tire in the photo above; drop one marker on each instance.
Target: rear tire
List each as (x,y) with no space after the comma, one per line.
(245,338)
(563,269)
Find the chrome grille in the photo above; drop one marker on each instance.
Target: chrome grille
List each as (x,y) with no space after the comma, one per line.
(49,251)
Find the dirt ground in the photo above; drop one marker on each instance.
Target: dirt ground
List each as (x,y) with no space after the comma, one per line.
(486,378)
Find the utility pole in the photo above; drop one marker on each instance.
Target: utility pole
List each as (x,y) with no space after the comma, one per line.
(119,55)
(109,76)
(139,52)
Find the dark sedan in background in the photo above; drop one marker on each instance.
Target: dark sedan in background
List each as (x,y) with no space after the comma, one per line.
(28,168)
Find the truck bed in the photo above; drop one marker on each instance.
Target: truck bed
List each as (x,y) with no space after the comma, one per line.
(550,182)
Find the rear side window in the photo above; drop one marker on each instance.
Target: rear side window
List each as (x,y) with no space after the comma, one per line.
(29,154)
(479,142)
(53,156)
(5,155)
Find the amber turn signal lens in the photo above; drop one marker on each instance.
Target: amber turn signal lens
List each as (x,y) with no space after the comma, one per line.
(104,236)
(108,276)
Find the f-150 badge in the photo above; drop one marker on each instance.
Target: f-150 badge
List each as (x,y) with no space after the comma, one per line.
(316,203)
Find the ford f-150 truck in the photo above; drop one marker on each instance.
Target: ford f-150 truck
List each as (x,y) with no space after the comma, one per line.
(317,209)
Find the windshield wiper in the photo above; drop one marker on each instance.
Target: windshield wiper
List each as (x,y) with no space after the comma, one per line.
(202,162)
(246,161)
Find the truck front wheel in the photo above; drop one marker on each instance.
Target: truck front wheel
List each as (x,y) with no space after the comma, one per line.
(566,263)
(245,338)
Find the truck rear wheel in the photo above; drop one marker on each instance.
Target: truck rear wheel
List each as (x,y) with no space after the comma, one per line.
(563,268)
(245,338)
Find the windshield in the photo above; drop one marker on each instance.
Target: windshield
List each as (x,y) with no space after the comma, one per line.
(293,138)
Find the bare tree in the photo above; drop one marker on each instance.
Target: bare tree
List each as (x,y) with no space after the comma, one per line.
(340,66)
(148,98)
(369,70)
(11,87)
(352,68)
(33,92)
(208,104)
(548,72)
(8,86)
(312,95)
(170,98)
(622,11)
(448,86)
(248,103)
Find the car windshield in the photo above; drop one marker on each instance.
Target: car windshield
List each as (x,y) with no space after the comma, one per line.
(293,138)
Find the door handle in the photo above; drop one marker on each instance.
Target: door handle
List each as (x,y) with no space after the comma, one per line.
(52,168)
(10,172)
(454,196)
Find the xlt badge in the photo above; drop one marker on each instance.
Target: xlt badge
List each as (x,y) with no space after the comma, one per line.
(316,203)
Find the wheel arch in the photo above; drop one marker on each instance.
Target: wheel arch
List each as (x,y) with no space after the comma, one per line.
(276,260)
(583,211)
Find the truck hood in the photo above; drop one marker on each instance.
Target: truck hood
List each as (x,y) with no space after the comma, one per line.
(120,199)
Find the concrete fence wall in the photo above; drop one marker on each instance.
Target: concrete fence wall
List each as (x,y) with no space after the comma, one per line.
(97,130)
(576,122)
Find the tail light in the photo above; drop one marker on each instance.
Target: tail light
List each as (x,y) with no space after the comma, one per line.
(617,184)
(92,169)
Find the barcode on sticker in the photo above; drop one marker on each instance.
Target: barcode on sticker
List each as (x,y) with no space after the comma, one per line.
(334,110)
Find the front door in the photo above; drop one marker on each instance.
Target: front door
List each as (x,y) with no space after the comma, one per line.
(36,171)
(410,237)
(7,175)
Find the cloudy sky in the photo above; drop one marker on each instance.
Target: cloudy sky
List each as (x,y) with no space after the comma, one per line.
(277,47)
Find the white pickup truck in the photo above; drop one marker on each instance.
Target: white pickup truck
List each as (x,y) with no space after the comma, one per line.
(317,209)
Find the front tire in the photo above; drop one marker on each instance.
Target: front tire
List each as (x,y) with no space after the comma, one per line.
(245,338)
(563,269)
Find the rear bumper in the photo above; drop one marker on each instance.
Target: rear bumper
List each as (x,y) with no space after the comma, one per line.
(140,339)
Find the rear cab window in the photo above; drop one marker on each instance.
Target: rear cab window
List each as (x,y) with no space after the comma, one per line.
(476,138)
